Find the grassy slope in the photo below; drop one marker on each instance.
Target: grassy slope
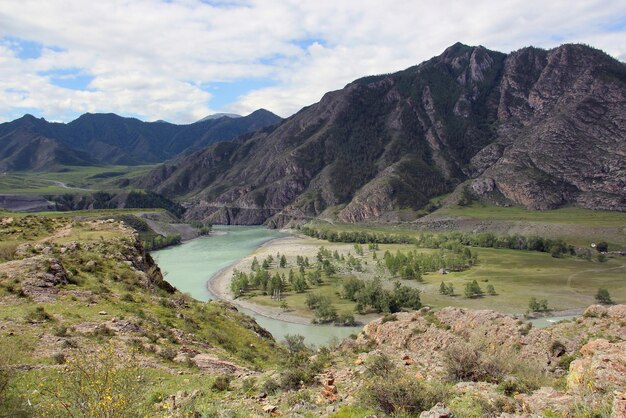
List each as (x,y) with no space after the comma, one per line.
(570,216)
(95,177)
(114,287)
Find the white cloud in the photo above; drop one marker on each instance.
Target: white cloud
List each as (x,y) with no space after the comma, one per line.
(151,58)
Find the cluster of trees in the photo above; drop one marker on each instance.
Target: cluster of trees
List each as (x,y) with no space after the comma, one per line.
(556,247)
(153,200)
(260,279)
(204,228)
(360,237)
(371,295)
(535,305)
(446,289)
(411,265)
(156,242)
(473,290)
(603,296)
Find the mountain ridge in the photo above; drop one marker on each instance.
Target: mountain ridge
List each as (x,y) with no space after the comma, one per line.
(470,116)
(35,144)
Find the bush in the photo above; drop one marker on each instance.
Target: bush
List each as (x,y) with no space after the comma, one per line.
(481,359)
(389,318)
(168,353)
(345,320)
(39,314)
(379,365)
(7,373)
(94,384)
(221,383)
(270,386)
(537,306)
(398,393)
(603,296)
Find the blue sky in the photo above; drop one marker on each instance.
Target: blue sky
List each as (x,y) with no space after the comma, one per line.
(180,60)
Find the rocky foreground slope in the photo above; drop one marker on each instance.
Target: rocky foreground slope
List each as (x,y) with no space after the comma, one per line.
(90,326)
(534,128)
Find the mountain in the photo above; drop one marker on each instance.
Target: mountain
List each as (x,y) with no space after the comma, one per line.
(220,115)
(537,128)
(29,143)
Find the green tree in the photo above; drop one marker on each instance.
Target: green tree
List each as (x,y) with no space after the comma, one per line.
(299,284)
(472,289)
(325,311)
(443,289)
(491,290)
(283,261)
(603,296)
(255,264)
(537,306)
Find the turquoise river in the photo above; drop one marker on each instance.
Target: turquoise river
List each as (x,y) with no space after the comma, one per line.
(190,265)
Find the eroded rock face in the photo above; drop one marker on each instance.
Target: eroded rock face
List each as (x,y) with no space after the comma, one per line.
(602,366)
(537,128)
(39,276)
(418,342)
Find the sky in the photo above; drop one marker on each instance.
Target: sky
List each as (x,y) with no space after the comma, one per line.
(181,60)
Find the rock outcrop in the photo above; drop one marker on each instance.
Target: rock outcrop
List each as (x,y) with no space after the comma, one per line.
(535,128)
(595,376)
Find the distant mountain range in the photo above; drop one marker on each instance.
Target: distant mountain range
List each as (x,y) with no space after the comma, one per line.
(220,115)
(29,143)
(537,128)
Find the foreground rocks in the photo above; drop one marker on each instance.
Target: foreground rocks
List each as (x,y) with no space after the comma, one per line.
(594,368)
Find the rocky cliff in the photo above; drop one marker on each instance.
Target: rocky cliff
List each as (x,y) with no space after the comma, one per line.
(534,128)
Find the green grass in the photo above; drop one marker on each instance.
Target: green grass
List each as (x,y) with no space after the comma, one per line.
(519,275)
(566,283)
(93,177)
(573,216)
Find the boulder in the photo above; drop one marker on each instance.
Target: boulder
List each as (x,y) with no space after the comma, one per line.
(437,411)
(602,364)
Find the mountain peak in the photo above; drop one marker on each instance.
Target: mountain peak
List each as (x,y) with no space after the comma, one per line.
(215,116)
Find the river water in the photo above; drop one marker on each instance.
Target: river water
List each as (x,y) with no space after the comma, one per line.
(190,265)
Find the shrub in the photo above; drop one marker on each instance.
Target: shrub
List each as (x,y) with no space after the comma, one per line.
(248,385)
(94,384)
(270,386)
(7,372)
(168,353)
(481,359)
(389,318)
(345,320)
(38,314)
(59,358)
(60,331)
(221,383)
(603,296)
(400,394)
(379,365)
(602,247)
(537,306)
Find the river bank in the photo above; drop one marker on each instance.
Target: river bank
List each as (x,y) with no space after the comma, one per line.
(219,283)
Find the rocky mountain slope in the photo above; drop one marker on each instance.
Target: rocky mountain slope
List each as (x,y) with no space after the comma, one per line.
(534,128)
(29,143)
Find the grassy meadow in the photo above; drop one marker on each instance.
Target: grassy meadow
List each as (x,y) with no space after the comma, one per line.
(566,282)
(74,177)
